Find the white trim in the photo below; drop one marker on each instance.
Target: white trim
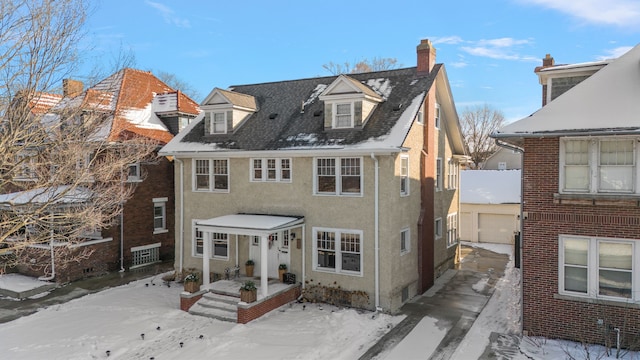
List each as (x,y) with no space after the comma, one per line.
(592,267)
(334,114)
(211,175)
(437,228)
(145,247)
(452,227)
(264,168)
(162,199)
(407,242)
(337,175)
(407,178)
(338,251)
(439,174)
(212,116)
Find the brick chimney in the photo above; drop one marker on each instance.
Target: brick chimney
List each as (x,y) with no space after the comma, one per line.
(426,57)
(548,61)
(71,88)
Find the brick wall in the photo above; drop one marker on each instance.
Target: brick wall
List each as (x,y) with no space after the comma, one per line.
(138,211)
(253,311)
(546,313)
(188,299)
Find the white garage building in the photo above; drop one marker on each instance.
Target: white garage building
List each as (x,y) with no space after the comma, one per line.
(489,205)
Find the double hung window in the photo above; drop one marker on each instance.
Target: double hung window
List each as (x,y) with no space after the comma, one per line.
(211,175)
(338,176)
(338,250)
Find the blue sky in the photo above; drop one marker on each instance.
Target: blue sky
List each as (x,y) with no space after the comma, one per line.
(489,48)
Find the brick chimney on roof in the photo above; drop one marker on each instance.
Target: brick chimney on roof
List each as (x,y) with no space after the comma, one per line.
(426,57)
(548,61)
(71,88)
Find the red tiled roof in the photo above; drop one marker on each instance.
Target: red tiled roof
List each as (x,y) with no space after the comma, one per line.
(41,102)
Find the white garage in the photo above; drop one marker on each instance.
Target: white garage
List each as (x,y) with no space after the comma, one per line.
(489,205)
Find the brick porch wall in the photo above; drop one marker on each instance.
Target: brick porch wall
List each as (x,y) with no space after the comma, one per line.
(249,312)
(545,313)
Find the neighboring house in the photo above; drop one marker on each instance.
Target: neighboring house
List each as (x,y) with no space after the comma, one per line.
(489,205)
(350,180)
(581,227)
(135,102)
(503,159)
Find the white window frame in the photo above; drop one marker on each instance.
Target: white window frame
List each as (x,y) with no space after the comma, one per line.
(282,166)
(152,255)
(211,176)
(594,185)
(420,115)
(338,251)
(452,176)
(436,116)
(213,122)
(337,175)
(223,238)
(137,170)
(452,229)
(593,267)
(160,203)
(198,235)
(405,241)
(502,165)
(334,120)
(404,175)
(439,174)
(437,228)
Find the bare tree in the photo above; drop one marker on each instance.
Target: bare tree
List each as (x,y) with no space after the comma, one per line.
(477,124)
(375,64)
(175,82)
(61,171)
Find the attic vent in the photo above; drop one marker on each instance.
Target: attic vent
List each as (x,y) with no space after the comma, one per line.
(273,116)
(317,113)
(397,107)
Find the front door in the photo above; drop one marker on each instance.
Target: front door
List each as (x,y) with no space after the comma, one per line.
(277,253)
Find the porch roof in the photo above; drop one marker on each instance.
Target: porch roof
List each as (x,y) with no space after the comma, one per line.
(249,224)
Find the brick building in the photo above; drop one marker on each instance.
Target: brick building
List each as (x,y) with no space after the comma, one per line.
(137,103)
(581,196)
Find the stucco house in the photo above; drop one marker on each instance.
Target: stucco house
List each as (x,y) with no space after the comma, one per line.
(350,181)
(503,159)
(581,220)
(135,103)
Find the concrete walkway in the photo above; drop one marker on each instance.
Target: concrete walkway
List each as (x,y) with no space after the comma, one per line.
(452,301)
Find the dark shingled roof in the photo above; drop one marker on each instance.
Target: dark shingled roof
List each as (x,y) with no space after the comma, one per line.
(294,128)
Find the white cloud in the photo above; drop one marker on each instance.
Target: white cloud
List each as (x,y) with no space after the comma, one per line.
(501,49)
(615,53)
(169,15)
(451,40)
(623,13)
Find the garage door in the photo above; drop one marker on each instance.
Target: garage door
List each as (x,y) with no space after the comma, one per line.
(496,228)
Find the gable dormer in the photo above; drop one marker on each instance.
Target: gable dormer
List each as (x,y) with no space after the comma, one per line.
(224,111)
(348,103)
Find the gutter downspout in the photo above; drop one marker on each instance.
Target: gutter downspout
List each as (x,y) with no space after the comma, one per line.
(521,151)
(181,235)
(121,224)
(376,238)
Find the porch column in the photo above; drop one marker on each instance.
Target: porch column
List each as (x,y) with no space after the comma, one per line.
(264,266)
(206,250)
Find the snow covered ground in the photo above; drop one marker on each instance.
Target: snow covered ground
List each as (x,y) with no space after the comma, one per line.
(114,320)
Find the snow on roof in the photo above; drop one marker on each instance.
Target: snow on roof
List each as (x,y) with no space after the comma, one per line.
(490,186)
(606,100)
(57,195)
(576,65)
(267,223)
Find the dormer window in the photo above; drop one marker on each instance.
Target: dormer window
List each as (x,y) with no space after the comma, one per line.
(219,122)
(343,116)
(225,111)
(348,103)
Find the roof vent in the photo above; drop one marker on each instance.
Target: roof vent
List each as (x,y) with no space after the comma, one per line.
(273,116)
(317,113)
(397,107)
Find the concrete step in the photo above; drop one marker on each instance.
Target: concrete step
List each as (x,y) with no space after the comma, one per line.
(213,302)
(214,313)
(211,296)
